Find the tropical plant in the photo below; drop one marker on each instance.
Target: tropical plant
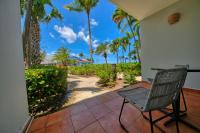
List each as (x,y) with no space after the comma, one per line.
(81,55)
(72,62)
(34,12)
(124,43)
(80,6)
(129,36)
(42,55)
(114,47)
(104,78)
(102,50)
(61,56)
(121,17)
(132,55)
(46,87)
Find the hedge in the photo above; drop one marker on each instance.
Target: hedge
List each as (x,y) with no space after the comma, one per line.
(46,86)
(104,72)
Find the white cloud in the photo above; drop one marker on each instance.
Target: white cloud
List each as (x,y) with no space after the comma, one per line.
(74,54)
(93,22)
(51,35)
(67,33)
(82,35)
(95,43)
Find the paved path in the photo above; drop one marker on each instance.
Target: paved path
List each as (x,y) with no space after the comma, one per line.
(83,87)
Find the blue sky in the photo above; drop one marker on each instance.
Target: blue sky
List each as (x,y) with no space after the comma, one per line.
(72,31)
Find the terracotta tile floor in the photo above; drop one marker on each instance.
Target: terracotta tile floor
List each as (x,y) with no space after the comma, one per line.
(100,115)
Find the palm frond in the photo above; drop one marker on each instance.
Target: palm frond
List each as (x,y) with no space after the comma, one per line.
(74,6)
(54,14)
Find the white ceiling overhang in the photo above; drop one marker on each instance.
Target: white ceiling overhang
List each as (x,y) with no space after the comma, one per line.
(141,9)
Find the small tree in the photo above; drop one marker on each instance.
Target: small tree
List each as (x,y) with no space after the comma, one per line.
(61,56)
(102,50)
(114,47)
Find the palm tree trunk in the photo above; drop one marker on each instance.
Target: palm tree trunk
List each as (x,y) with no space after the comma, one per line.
(137,49)
(90,37)
(35,42)
(123,56)
(117,57)
(129,50)
(26,34)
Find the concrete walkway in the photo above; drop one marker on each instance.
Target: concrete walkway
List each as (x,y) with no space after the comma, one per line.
(84,87)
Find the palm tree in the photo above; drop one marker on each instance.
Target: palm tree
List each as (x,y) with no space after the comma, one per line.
(34,12)
(81,55)
(132,55)
(102,50)
(61,56)
(114,47)
(120,17)
(80,6)
(129,36)
(124,44)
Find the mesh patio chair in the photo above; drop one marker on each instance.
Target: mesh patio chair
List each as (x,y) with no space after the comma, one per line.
(164,92)
(183,97)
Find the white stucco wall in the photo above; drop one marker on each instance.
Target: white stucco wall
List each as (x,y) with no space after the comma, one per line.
(165,45)
(13,97)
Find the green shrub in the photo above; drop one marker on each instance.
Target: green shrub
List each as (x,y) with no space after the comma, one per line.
(89,70)
(124,67)
(104,72)
(129,77)
(107,77)
(104,77)
(46,86)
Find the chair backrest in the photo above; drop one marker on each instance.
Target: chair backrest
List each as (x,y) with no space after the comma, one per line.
(182,66)
(165,88)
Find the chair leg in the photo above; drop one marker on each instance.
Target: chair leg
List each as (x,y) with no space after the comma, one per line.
(124,101)
(176,117)
(151,122)
(184,102)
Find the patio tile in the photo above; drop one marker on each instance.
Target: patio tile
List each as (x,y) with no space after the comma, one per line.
(64,126)
(111,124)
(114,104)
(100,114)
(130,114)
(92,102)
(105,98)
(113,94)
(82,119)
(40,131)
(56,128)
(93,128)
(55,117)
(99,111)
(38,123)
(77,108)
